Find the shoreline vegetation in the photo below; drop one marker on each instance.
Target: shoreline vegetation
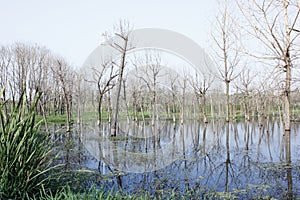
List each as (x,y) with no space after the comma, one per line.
(92,116)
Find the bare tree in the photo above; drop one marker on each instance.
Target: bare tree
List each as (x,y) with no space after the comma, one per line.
(243,85)
(149,71)
(66,77)
(82,94)
(104,77)
(228,45)
(120,42)
(26,68)
(183,86)
(125,100)
(201,86)
(173,78)
(134,101)
(273,24)
(5,62)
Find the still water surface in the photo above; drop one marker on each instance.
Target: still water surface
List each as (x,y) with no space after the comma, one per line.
(243,159)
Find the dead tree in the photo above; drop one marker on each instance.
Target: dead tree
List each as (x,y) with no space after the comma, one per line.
(103,77)
(273,25)
(200,87)
(227,42)
(149,71)
(243,85)
(120,42)
(66,78)
(173,79)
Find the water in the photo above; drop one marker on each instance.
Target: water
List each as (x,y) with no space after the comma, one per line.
(243,160)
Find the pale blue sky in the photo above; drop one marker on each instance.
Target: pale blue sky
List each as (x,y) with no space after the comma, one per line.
(72,28)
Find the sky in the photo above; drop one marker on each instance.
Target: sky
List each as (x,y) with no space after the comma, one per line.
(73,28)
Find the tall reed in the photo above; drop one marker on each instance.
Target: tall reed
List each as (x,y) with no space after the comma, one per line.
(24,151)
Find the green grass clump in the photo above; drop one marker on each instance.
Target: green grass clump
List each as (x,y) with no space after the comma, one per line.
(92,194)
(55,119)
(67,193)
(24,151)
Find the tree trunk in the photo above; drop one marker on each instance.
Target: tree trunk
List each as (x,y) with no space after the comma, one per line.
(227,100)
(287,59)
(109,108)
(287,98)
(120,79)
(99,109)
(204,108)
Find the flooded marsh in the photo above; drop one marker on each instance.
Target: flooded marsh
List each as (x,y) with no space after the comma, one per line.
(195,160)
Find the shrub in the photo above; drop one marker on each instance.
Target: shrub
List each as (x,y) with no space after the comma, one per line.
(24,150)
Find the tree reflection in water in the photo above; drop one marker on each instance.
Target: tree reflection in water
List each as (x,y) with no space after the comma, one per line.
(246,160)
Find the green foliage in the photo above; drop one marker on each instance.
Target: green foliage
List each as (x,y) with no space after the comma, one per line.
(52,118)
(24,151)
(224,195)
(91,194)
